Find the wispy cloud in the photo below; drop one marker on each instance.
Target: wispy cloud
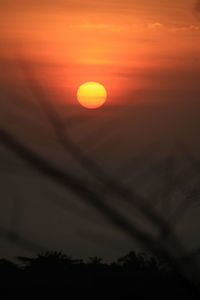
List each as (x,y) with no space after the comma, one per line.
(185,28)
(155,26)
(93,26)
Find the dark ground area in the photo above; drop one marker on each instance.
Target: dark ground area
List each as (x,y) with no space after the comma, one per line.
(141,274)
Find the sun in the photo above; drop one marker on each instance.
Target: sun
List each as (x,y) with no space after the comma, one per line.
(91,95)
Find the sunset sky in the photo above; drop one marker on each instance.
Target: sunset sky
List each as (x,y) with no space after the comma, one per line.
(129,46)
(146,53)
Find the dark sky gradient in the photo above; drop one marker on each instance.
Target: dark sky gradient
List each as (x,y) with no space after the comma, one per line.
(131,143)
(147,56)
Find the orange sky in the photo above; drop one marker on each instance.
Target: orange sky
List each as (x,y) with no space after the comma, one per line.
(127,45)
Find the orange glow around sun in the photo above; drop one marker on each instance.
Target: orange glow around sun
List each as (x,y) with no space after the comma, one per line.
(127,46)
(91,95)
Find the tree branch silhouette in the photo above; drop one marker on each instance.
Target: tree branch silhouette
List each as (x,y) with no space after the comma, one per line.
(115,187)
(167,242)
(77,186)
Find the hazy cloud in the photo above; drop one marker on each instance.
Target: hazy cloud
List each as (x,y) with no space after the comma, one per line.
(155,26)
(93,26)
(185,28)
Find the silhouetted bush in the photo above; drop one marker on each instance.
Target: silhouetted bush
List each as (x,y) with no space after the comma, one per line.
(143,274)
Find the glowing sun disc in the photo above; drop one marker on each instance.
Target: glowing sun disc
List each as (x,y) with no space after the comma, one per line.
(91,95)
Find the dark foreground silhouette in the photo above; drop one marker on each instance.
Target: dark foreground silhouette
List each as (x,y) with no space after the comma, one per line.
(142,274)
